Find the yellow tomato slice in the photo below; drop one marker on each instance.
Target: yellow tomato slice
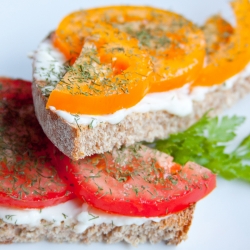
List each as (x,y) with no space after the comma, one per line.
(111,73)
(229,50)
(176,45)
(217,33)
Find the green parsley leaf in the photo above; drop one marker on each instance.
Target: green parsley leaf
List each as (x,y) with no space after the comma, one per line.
(205,143)
(243,150)
(223,130)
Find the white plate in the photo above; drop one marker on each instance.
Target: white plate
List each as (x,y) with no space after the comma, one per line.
(222,220)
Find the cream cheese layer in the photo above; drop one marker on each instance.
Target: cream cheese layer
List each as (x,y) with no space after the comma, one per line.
(72,213)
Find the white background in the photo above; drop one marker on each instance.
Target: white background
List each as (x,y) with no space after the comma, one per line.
(222,220)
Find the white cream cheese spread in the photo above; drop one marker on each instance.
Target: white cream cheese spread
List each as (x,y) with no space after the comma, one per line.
(49,67)
(72,212)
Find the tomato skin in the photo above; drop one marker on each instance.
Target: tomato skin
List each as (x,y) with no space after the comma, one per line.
(91,181)
(230,54)
(27,202)
(27,177)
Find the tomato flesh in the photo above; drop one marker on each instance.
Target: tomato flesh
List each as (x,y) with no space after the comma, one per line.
(27,177)
(228,48)
(135,181)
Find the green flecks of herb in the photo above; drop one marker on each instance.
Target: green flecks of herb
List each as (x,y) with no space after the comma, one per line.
(99,189)
(80,72)
(77,118)
(9,217)
(65,216)
(90,126)
(119,49)
(95,59)
(122,179)
(102,195)
(205,143)
(95,90)
(144,37)
(95,176)
(173,180)
(150,193)
(205,177)
(93,216)
(163,41)
(136,190)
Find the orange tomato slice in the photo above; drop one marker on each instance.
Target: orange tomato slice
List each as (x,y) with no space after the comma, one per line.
(217,33)
(229,50)
(110,74)
(121,72)
(176,45)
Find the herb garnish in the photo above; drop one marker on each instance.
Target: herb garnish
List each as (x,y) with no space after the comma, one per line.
(9,217)
(65,216)
(205,143)
(93,216)
(76,119)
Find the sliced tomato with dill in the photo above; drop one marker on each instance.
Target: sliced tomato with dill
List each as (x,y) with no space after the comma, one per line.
(27,177)
(136,181)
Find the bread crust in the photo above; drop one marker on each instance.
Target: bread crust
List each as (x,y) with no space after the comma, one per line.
(171,230)
(78,142)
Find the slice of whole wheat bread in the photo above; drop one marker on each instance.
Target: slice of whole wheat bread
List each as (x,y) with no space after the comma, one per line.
(80,141)
(172,230)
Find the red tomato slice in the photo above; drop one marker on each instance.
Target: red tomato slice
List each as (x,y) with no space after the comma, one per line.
(136,181)
(27,177)
(15,89)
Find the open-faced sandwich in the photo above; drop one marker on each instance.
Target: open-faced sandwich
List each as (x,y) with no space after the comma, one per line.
(105,80)
(135,194)
(114,76)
